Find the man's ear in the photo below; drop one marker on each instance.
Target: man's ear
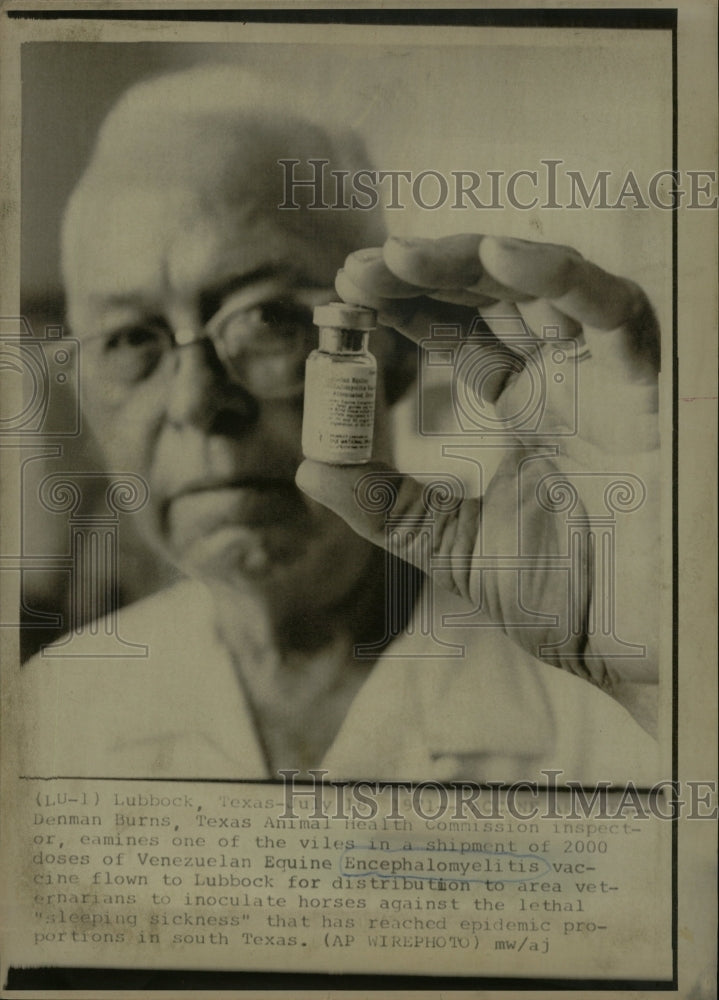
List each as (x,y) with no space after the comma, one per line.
(400,360)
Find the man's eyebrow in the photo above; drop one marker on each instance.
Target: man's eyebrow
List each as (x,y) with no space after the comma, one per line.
(212,298)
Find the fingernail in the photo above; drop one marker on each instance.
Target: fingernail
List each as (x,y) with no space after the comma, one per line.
(347,291)
(367,254)
(409,241)
(512,242)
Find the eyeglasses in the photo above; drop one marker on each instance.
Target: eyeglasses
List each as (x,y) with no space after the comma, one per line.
(262,347)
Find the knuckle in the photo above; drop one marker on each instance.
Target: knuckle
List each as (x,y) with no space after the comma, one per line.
(637,300)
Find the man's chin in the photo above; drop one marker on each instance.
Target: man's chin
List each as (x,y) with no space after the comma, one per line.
(232,554)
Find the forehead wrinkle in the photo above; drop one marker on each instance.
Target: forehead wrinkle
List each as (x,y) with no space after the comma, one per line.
(231,156)
(226,154)
(115,245)
(215,245)
(159,250)
(174,143)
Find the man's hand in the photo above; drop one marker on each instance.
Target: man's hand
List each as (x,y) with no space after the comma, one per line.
(562,549)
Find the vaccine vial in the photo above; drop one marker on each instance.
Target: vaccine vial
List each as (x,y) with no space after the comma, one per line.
(340,387)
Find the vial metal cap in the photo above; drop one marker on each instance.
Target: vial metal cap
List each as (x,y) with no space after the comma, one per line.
(345,316)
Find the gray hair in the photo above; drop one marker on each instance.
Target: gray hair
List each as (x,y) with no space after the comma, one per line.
(192,125)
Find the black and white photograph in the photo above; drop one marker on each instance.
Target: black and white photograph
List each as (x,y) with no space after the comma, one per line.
(342,459)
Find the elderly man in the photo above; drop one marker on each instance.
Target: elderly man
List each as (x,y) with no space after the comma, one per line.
(191,293)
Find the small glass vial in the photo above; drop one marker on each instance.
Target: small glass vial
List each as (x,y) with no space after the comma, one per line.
(340,387)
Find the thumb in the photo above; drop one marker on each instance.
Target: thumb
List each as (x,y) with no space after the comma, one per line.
(415,519)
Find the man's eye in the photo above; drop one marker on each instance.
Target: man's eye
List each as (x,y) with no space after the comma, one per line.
(284,314)
(267,328)
(133,337)
(131,353)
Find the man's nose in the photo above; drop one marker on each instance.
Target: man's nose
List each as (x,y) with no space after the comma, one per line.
(201,394)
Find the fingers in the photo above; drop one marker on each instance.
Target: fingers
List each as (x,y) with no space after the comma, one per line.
(401,309)
(398,513)
(618,322)
(632,349)
(447,262)
(617,319)
(545,320)
(335,486)
(429,322)
(416,318)
(448,267)
(547,271)
(367,269)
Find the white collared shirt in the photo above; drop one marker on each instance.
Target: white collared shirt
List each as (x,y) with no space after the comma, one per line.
(491,713)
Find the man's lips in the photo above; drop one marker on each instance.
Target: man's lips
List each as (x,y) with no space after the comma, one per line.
(253,482)
(250,501)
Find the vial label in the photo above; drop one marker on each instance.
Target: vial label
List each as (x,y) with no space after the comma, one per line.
(339,412)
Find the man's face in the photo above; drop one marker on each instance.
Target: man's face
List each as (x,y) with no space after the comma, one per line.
(219,460)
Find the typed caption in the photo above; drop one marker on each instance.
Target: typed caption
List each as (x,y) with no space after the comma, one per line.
(194,875)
